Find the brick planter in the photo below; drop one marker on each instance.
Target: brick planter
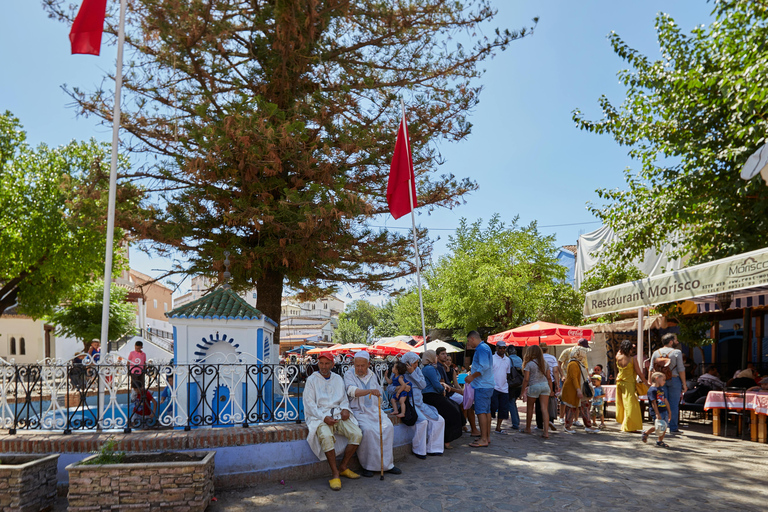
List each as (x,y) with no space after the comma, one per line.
(178,486)
(27,482)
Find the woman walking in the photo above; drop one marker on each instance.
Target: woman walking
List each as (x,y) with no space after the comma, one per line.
(572,395)
(536,386)
(434,395)
(627,405)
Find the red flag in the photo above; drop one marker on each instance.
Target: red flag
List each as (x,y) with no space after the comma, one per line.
(400,172)
(85,35)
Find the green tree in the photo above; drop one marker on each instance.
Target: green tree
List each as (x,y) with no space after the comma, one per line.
(385,321)
(407,315)
(274,121)
(52,217)
(691,119)
(349,332)
(80,316)
(363,313)
(496,277)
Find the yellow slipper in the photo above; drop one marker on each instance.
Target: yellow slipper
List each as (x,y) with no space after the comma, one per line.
(335,484)
(350,474)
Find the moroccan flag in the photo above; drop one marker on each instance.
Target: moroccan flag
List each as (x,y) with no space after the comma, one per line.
(400,172)
(85,35)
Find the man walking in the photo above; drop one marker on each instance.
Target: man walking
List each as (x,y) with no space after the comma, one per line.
(516,363)
(481,379)
(500,397)
(672,360)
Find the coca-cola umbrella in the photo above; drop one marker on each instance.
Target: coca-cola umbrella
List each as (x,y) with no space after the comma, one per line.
(538,332)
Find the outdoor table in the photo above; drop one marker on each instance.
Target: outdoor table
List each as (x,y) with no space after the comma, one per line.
(756,403)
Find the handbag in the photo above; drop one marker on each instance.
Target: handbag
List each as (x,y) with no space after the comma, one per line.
(641,388)
(586,387)
(469,396)
(411,416)
(514,379)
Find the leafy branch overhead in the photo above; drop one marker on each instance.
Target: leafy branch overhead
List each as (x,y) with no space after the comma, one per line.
(691,119)
(52,218)
(273,123)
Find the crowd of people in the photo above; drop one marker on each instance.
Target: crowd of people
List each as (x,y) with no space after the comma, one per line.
(345,415)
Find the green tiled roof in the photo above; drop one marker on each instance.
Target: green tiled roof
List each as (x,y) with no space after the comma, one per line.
(219,304)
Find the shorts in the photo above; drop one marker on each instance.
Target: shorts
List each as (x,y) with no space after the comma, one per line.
(500,403)
(536,390)
(596,410)
(483,400)
(346,428)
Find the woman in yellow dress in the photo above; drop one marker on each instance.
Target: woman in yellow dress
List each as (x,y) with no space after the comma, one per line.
(627,405)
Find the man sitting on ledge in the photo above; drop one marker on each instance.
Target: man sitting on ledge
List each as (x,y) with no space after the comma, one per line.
(364,393)
(327,412)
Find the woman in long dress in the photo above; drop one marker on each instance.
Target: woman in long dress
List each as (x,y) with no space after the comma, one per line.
(434,395)
(627,405)
(572,396)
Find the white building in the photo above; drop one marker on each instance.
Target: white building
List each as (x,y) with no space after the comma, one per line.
(24,339)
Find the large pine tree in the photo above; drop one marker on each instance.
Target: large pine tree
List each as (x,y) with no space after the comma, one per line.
(273,123)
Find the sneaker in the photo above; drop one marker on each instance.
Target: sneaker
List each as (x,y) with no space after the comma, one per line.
(577,423)
(568,430)
(561,421)
(592,430)
(514,427)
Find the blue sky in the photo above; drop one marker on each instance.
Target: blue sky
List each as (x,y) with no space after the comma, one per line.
(525,152)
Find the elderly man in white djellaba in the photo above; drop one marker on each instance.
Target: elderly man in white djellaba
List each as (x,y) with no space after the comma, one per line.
(429,430)
(327,413)
(364,393)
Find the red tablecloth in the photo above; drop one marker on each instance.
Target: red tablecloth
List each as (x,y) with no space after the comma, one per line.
(757,402)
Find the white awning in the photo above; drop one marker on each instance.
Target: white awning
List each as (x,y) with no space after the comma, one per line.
(742,272)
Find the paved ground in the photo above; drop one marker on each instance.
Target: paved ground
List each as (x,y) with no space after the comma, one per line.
(606,471)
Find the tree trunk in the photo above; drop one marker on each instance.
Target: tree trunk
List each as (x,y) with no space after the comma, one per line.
(269,297)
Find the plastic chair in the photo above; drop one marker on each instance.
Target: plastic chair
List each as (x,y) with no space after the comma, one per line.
(737,396)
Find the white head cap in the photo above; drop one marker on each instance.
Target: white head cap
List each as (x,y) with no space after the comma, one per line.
(363,355)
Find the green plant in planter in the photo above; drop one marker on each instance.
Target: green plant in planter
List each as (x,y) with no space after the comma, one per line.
(107,455)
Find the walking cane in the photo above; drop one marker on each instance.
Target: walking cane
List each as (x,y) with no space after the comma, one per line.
(381,441)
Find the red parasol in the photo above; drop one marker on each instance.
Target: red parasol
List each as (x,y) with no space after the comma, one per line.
(538,332)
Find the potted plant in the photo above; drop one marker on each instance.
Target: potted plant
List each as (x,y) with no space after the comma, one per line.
(161,481)
(28,482)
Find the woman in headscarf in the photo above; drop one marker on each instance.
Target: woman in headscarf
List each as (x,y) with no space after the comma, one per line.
(434,395)
(430,427)
(627,405)
(572,395)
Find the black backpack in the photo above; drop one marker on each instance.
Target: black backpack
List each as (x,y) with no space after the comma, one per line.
(514,379)
(411,416)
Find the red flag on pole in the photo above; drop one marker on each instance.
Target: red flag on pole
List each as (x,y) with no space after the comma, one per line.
(86,31)
(401,175)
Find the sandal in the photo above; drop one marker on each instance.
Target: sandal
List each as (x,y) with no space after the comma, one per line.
(645,437)
(501,432)
(475,445)
(662,444)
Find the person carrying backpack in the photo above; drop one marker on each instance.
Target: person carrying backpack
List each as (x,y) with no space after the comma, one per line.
(515,382)
(668,360)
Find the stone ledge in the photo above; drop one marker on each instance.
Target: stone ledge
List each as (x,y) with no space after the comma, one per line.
(154,440)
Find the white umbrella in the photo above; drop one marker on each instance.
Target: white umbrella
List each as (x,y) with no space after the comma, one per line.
(757,163)
(434,345)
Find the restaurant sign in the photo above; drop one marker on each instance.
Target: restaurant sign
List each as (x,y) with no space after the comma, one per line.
(727,275)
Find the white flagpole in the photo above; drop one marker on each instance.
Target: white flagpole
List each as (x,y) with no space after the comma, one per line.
(413,221)
(113,180)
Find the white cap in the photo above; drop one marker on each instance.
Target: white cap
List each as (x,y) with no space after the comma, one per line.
(363,355)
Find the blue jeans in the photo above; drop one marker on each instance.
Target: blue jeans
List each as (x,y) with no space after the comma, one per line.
(673,389)
(513,413)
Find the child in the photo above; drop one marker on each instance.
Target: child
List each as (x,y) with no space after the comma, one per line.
(659,410)
(402,388)
(598,401)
